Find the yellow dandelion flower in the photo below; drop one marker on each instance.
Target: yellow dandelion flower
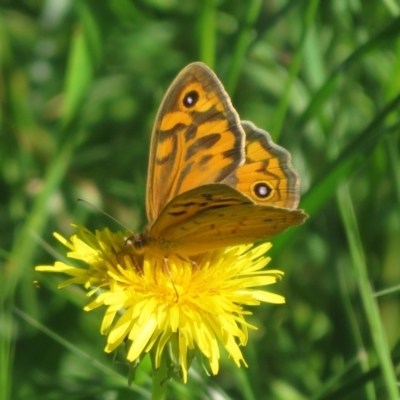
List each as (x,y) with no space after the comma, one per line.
(152,303)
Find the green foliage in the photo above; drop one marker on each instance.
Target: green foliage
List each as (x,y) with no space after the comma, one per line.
(80,83)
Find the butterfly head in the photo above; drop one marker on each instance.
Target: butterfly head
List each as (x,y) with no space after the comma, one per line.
(136,242)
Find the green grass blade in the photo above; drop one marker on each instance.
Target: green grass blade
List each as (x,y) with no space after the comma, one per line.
(208,32)
(79,76)
(19,269)
(282,108)
(87,358)
(370,305)
(348,389)
(242,44)
(386,35)
(362,145)
(351,157)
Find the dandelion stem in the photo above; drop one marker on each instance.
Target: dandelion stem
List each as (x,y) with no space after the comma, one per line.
(159,391)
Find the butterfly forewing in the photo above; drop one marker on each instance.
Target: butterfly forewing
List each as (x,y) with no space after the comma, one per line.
(197,138)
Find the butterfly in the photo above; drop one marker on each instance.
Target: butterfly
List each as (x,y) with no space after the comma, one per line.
(213,181)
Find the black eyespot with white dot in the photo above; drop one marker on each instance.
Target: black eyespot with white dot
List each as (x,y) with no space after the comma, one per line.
(190,99)
(262,190)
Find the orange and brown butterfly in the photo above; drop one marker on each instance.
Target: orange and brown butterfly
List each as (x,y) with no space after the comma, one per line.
(213,180)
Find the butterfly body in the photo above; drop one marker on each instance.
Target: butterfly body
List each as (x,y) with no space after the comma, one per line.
(213,181)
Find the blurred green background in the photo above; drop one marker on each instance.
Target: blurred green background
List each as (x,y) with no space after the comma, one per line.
(80,83)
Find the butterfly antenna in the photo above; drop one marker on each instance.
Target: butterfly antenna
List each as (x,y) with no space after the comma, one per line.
(103,212)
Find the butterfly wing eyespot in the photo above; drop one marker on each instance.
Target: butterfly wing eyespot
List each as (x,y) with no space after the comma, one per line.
(190,99)
(263,191)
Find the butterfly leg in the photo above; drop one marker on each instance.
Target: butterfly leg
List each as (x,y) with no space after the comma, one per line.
(119,256)
(134,260)
(192,263)
(170,277)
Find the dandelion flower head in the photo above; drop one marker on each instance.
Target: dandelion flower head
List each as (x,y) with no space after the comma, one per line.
(151,302)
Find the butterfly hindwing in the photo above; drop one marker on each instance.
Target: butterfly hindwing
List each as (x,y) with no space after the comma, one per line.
(267,176)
